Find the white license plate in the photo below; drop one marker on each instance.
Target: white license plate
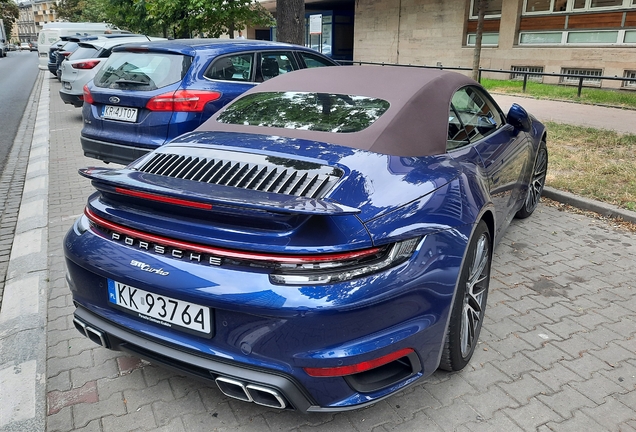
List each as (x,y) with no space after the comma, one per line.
(120,113)
(161,309)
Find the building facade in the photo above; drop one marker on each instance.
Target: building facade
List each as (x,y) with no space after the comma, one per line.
(34,14)
(589,37)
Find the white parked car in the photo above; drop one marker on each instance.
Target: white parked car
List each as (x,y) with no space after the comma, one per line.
(24,46)
(81,66)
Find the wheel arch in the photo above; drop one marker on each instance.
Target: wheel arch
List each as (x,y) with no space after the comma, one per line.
(489,218)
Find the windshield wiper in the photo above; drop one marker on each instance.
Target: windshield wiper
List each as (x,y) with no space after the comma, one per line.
(131,82)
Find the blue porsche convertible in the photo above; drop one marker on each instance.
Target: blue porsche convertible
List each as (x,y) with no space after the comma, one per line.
(320,243)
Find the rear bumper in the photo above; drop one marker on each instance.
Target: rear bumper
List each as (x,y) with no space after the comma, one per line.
(116,338)
(111,152)
(75,100)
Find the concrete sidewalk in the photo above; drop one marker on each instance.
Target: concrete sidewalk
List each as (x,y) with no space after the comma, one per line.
(619,120)
(557,350)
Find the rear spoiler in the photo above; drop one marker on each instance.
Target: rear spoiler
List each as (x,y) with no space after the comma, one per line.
(168,189)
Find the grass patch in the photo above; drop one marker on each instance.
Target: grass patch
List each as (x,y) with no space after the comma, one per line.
(616,98)
(593,163)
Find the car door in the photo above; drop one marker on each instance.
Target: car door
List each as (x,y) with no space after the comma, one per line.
(504,153)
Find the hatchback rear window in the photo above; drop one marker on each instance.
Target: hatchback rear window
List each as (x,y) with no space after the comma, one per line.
(69,46)
(309,111)
(84,51)
(142,70)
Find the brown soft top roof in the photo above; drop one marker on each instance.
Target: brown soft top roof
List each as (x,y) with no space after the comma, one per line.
(415,124)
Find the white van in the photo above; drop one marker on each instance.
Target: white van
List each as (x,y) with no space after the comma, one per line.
(4,42)
(51,32)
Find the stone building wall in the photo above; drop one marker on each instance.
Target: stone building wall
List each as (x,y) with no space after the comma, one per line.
(428,32)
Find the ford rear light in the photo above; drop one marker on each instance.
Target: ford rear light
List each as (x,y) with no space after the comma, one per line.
(86,64)
(182,100)
(88,97)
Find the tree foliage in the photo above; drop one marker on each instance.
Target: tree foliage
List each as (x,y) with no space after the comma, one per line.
(170,18)
(212,18)
(9,13)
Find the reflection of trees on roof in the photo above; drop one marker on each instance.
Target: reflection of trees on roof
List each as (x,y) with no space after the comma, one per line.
(306,111)
(293,163)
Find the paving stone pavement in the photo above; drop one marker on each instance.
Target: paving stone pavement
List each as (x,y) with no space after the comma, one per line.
(557,349)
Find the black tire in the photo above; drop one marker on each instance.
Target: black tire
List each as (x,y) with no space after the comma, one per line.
(469,306)
(537,182)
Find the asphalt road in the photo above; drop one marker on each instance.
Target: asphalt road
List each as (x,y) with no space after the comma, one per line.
(18,71)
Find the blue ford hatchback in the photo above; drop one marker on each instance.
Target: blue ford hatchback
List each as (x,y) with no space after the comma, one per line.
(147,94)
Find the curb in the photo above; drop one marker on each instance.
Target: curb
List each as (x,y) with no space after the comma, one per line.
(24,308)
(589,205)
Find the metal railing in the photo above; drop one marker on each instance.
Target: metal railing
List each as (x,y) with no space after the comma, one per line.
(525,74)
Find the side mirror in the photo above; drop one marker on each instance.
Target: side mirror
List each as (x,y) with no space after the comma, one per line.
(2,40)
(519,118)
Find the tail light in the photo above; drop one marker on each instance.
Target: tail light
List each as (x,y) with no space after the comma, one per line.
(358,367)
(86,65)
(345,268)
(65,53)
(182,100)
(88,97)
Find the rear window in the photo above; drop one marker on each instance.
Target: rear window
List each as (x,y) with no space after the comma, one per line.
(69,46)
(142,70)
(84,52)
(325,112)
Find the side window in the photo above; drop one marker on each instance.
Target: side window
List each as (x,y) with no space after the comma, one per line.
(277,63)
(312,61)
(231,68)
(471,117)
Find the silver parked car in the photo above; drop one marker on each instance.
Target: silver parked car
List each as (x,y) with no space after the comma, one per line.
(81,66)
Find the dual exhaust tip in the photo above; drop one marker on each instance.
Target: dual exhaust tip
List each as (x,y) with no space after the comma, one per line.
(230,387)
(251,393)
(97,336)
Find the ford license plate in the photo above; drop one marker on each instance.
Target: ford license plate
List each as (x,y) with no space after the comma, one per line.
(161,309)
(120,113)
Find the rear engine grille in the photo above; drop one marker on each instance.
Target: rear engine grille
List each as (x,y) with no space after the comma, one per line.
(262,173)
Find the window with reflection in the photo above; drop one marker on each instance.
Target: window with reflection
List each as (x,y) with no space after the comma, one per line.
(471,118)
(327,112)
(493,7)
(277,63)
(231,68)
(538,5)
(605,3)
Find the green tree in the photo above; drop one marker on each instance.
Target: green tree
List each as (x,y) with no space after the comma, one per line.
(70,10)
(185,18)
(9,13)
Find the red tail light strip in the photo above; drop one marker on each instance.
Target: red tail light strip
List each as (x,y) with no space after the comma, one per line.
(358,367)
(164,199)
(183,100)
(88,97)
(86,64)
(229,253)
